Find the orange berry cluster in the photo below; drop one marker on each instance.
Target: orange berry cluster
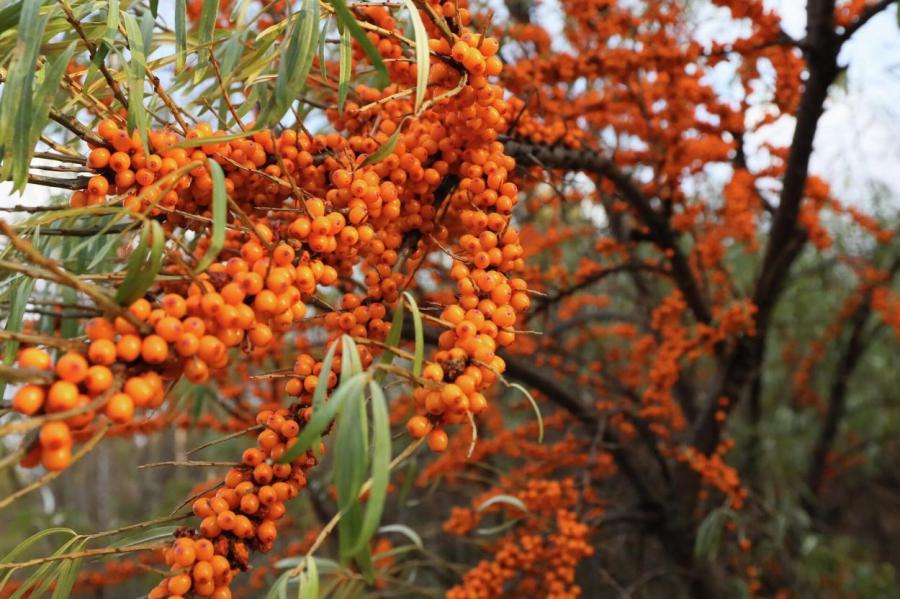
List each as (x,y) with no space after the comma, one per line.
(240,517)
(544,565)
(78,383)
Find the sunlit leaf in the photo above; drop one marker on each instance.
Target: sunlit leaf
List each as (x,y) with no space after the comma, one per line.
(143,264)
(323,417)
(534,405)
(180,34)
(346,18)
(386,149)
(346,63)
(219,216)
(137,114)
(504,499)
(16,105)
(207,24)
(419,351)
(423,61)
(296,59)
(381,464)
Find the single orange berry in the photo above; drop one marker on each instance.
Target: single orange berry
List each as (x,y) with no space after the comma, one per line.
(55,435)
(29,399)
(120,408)
(32,357)
(418,427)
(437,440)
(72,367)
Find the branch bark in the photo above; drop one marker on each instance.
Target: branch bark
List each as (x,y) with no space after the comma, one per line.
(528,153)
(786,238)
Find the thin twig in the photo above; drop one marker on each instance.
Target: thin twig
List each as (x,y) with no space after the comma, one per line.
(190,464)
(225,438)
(82,554)
(65,277)
(43,340)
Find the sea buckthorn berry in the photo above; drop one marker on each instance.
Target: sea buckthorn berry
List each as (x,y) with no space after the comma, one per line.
(102,351)
(222,592)
(56,459)
(29,399)
(437,440)
(128,348)
(202,572)
(204,550)
(418,427)
(62,396)
(120,408)
(98,185)
(119,161)
(183,553)
(179,584)
(33,357)
(99,378)
(98,158)
(266,532)
(54,435)
(154,349)
(201,508)
(139,390)
(169,328)
(72,367)
(253,457)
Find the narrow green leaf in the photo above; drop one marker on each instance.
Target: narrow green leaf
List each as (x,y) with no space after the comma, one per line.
(16,109)
(404,530)
(322,382)
(201,141)
(279,589)
(419,351)
(346,64)
(219,217)
(507,499)
(423,59)
(20,291)
(322,417)
(137,114)
(381,468)
(207,24)
(537,410)
(68,573)
(350,471)
(709,534)
(27,544)
(392,340)
(386,149)
(135,263)
(309,583)
(322,38)
(143,265)
(154,8)
(350,362)
(43,577)
(106,43)
(180,34)
(52,73)
(346,18)
(296,60)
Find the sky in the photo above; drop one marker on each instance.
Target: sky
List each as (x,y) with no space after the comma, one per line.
(857,147)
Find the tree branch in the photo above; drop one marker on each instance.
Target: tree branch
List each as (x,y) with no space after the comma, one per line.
(557,157)
(864,17)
